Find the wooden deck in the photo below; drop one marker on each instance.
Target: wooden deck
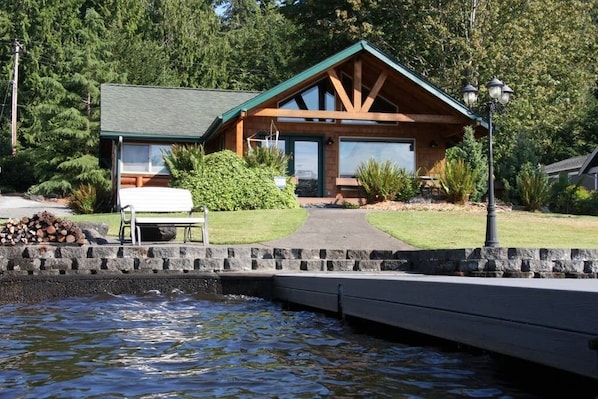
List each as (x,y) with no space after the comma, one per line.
(552,322)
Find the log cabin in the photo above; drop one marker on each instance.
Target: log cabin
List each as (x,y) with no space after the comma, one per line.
(355,105)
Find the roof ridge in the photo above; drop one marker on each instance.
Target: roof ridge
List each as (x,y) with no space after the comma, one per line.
(179,88)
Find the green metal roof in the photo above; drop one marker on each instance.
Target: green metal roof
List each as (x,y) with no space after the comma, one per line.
(330,62)
(169,113)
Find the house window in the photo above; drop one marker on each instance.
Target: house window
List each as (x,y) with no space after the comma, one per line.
(144,158)
(318,97)
(354,151)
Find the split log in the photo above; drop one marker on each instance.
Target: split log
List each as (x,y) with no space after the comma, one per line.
(41,227)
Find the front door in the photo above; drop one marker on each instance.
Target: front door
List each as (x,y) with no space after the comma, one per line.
(305,164)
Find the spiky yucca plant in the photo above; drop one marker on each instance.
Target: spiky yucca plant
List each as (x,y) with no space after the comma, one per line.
(457,180)
(87,199)
(385,181)
(533,186)
(268,156)
(184,158)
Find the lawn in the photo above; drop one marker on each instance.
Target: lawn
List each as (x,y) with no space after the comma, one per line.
(431,229)
(238,227)
(426,229)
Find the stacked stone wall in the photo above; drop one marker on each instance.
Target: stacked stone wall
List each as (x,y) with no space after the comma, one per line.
(51,260)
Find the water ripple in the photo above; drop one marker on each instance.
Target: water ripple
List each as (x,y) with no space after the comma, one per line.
(177,345)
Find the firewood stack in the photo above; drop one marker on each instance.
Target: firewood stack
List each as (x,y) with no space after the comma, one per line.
(43,227)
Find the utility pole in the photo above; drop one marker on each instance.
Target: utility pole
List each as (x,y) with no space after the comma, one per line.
(15,86)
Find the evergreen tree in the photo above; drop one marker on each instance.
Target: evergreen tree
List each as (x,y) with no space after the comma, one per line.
(64,135)
(188,31)
(262,40)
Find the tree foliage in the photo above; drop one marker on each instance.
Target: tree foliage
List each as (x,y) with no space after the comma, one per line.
(546,50)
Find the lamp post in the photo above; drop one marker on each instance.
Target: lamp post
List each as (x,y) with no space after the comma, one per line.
(499,95)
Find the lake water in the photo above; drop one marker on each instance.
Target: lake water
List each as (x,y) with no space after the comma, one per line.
(186,346)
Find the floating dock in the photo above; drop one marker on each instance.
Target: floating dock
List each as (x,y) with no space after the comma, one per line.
(553,322)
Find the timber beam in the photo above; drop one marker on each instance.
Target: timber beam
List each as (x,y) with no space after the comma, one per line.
(346,115)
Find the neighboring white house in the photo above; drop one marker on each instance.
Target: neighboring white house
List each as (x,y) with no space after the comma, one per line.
(582,170)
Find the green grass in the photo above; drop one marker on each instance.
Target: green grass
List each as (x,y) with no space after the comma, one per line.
(467,229)
(238,227)
(426,229)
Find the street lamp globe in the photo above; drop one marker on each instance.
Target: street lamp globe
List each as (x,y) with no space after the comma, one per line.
(505,95)
(470,94)
(494,88)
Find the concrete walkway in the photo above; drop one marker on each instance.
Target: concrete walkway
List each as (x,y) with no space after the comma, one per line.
(338,228)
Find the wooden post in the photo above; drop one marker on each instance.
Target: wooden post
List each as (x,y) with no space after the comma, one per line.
(239,135)
(15,84)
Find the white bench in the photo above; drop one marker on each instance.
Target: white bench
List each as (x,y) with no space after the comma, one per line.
(161,200)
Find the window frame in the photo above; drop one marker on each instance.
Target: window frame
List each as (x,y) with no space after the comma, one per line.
(384,140)
(148,169)
(317,85)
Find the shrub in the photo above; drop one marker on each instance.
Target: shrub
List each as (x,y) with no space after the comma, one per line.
(533,186)
(225,182)
(269,157)
(89,199)
(523,150)
(183,159)
(560,195)
(386,181)
(571,198)
(457,180)
(410,185)
(578,200)
(472,153)
(587,205)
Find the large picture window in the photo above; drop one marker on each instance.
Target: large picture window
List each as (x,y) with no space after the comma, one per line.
(353,152)
(144,158)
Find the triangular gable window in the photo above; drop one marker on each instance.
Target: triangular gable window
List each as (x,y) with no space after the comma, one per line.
(318,97)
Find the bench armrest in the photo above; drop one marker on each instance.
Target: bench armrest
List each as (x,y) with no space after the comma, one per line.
(123,214)
(200,208)
(127,219)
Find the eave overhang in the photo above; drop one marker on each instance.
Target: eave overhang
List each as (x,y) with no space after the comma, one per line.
(150,137)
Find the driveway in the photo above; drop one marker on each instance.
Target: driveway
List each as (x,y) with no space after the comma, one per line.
(16,206)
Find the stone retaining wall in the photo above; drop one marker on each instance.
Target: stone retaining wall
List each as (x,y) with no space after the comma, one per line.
(49,260)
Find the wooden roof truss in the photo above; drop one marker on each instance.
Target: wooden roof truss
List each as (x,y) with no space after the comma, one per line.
(355,107)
